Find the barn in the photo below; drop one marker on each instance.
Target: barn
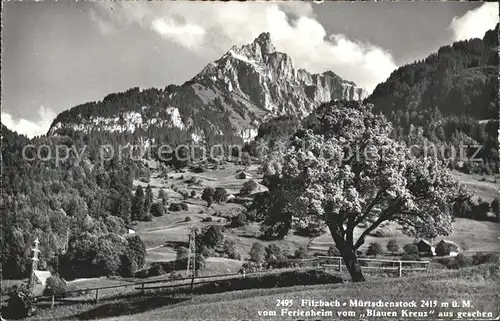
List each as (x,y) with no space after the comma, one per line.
(425,247)
(445,248)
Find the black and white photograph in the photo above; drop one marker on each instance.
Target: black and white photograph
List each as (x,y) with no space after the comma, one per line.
(233,160)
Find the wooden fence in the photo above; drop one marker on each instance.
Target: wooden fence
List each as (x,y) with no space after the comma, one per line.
(399,268)
(162,283)
(173,283)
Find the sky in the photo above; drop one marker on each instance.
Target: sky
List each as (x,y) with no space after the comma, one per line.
(56,55)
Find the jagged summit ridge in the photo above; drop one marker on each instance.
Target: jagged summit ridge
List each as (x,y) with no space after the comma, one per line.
(229,97)
(261,74)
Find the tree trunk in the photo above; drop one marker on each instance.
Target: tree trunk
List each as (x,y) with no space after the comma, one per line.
(348,254)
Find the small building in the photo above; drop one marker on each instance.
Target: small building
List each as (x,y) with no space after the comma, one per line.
(243,175)
(259,189)
(40,281)
(131,231)
(425,247)
(445,248)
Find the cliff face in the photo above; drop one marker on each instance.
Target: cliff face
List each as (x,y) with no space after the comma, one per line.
(230,97)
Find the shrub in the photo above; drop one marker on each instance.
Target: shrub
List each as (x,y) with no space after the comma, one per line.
(333,251)
(248,187)
(495,207)
(220,195)
(301,253)
(257,252)
(245,159)
(157,209)
(458,262)
(211,236)
(480,211)
(207,219)
(482,258)
(185,195)
(410,249)
(134,257)
(312,229)
(142,274)
(176,276)
(155,270)
(230,250)
(239,220)
(184,206)
(410,257)
(182,259)
(55,286)
(193,194)
(374,249)
(187,219)
(208,195)
(251,267)
(274,255)
(162,195)
(463,261)
(175,207)
(197,169)
(392,246)
(207,251)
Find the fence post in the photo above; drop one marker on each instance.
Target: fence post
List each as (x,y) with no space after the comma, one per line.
(400,269)
(192,282)
(142,289)
(53,300)
(340,264)
(96,295)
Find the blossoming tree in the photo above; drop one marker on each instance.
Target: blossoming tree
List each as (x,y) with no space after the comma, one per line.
(343,169)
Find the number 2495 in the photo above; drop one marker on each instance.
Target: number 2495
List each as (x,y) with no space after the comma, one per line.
(284,303)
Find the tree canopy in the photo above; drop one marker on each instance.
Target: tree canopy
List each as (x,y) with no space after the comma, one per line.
(344,169)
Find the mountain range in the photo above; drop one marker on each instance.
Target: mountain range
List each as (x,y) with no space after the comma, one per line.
(225,102)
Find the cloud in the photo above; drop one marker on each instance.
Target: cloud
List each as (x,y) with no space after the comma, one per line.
(30,128)
(210,29)
(187,35)
(476,22)
(105,27)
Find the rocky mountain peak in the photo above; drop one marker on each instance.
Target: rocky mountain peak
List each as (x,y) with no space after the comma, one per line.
(257,51)
(230,96)
(265,43)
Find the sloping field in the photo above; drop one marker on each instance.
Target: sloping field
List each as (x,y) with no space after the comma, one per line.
(471,235)
(484,187)
(479,285)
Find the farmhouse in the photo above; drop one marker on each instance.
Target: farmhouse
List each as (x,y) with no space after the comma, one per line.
(445,248)
(425,247)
